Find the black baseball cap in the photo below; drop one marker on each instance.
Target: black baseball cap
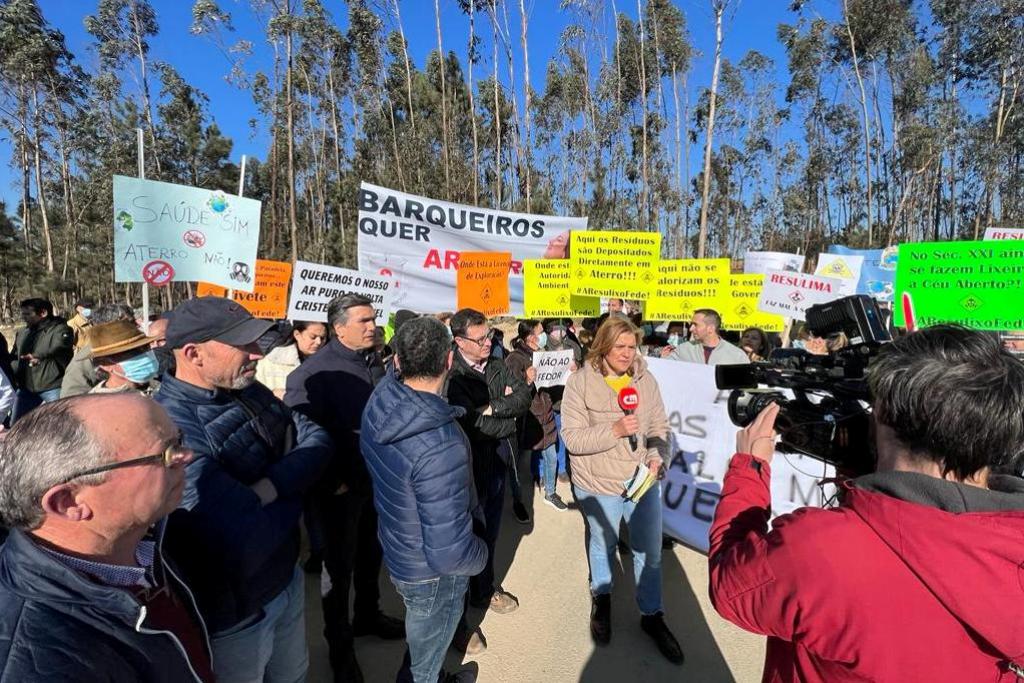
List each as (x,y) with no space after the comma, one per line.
(213,318)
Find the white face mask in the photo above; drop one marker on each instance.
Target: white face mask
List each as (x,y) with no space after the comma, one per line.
(86,312)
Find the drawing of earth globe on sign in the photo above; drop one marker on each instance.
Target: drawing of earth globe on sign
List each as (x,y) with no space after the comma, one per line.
(124,220)
(889,258)
(218,202)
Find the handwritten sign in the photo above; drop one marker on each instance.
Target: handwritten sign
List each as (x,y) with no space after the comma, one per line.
(203,235)
(791,294)
(269,298)
(482,282)
(315,285)
(760,262)
(553,367)
(546,291)
(684,285)
(615,264)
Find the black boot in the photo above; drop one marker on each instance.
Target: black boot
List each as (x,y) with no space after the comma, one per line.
(340,646)
(601,619)
(654,625)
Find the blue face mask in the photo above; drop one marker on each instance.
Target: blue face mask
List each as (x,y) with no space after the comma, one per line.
(799,344)
(140,369)
(542,340)
(86,312)
(673,340)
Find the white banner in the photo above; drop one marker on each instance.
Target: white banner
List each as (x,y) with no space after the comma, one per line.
(702,440)
(314,285)
(1004,233)
(791,294)
(553,367)
(417,241)
(760,262)
(845,268)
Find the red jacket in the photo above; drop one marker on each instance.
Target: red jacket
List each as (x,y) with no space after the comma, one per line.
(878,589)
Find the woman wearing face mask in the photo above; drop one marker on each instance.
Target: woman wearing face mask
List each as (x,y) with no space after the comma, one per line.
(305,339)
(537,430)
(123,358)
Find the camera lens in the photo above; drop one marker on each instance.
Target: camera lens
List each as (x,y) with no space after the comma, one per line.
(745,406)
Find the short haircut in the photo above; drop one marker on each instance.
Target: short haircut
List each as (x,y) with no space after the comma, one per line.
(954,396)
(711,317)
(525,328)
(43,449)
(604,341)
(464,319)
(108,313)
(38,305)
(337,310)
(422,347)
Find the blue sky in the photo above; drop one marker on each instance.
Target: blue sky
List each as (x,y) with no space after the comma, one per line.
(750,27)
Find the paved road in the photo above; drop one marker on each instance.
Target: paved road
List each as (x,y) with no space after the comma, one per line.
(548,638)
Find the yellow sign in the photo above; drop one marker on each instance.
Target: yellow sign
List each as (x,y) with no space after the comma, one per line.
(546,291)
(739,310)
(836,268)
(483,281)
(615,264)
(684,285)
(269,297)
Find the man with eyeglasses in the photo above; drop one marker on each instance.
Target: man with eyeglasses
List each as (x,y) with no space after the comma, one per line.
(493,398)
(236,533)
(85,592)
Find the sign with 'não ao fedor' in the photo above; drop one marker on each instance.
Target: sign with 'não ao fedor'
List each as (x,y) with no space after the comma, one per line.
(553,367)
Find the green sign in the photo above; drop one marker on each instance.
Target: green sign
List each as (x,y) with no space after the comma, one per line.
(976,284)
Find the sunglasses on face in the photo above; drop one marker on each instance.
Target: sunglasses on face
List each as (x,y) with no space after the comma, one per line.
(482,340)
(174,454)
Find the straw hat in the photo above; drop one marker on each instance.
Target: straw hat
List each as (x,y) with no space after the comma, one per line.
(117,336)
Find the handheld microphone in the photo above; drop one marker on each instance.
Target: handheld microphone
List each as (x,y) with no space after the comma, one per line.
(629,401)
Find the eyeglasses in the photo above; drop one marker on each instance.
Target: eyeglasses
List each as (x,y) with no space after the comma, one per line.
(482,340)
(174,454)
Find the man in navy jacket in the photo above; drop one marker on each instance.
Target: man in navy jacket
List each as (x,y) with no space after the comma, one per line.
(419,460)
(236,534)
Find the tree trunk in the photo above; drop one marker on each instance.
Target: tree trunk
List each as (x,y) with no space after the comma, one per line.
(472,102)
(40,188)
(528,104)
(147,108)
(702,236)
(645,213)
(497,107)
(866,119)
(444,103)
(293,220)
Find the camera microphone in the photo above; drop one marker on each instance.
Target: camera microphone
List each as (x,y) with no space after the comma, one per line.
(629,401)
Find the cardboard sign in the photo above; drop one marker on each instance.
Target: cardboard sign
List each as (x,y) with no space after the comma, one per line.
(740,308)
(975,284)
(878,270)
(845,268)
(546,291)
(684,285)
(760,262)
(269,298)
(314,286)
(791,294)
(482,282)
(615,264)
(164,231)
(553,367)
(1004,233)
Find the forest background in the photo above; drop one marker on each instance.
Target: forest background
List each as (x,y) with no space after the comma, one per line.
(723,124)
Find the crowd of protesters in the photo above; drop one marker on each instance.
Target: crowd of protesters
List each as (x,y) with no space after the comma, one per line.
(156,477)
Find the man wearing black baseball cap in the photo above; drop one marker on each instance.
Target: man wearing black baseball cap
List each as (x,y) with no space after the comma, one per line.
(236,534)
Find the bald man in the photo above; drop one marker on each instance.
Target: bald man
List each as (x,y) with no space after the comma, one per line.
(85,593)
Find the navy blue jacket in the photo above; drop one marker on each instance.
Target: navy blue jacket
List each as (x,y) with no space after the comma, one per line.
(236,554)
(332,388)
(56,625)
(419,460)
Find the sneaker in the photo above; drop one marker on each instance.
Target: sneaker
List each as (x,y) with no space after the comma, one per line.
(654,625)
(463,676)
(503,602)
(520,511)
(469,642)
(555,501)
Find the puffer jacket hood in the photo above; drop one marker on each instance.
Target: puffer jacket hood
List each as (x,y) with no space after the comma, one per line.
(414,412)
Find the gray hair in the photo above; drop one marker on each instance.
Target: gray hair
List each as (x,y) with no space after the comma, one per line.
(337,310)
(43,449)
(108,313)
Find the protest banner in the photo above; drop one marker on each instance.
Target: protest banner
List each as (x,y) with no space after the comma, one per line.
(684,285)
(417,241)
(1004,234)
(739,309)
(269,297)
(791,294)
(702,440)
(615,264)
(878,270)
(553,367)
(845,268)
(975,284)
(482,282)
(183,232)
(314,285)
(546,291)
(760,262)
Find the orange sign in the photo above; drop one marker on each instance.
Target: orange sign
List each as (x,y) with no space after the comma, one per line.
(269,297)
(483,281)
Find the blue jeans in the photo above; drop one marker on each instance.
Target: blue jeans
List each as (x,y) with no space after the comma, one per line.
(272,649)
(25,401)
(432,611)
(561,444)
(548,467)
(603,513)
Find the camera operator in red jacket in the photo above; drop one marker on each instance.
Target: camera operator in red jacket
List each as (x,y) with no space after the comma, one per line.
(918,575)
